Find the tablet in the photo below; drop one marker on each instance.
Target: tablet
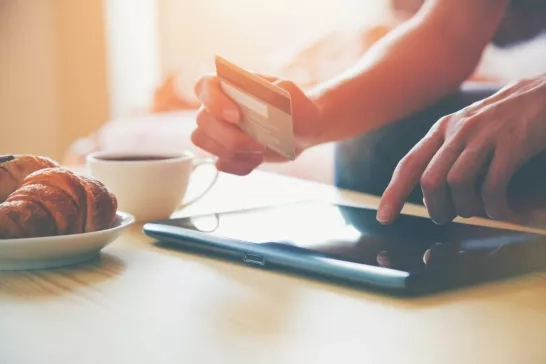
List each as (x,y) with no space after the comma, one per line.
(346,244)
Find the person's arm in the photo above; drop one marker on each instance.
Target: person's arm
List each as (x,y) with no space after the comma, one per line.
(420,62)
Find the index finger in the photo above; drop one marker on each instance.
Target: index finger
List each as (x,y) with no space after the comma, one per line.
(209,91)
(406,176)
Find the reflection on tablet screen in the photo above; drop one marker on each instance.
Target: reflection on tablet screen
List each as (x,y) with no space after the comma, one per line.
(411,244)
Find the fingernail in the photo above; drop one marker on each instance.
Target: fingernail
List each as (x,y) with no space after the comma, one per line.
(492,215)
(383,259)
(384,214)
(231,115)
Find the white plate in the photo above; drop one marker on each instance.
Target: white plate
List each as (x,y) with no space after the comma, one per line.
(57,251)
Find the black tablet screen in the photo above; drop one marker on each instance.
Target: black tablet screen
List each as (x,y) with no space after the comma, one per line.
(410,244)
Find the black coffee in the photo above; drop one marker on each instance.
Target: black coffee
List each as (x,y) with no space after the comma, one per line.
(137,158)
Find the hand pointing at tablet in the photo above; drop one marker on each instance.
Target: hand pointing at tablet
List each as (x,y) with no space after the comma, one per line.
(466,162)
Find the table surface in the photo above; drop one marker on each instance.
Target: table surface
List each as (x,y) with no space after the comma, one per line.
(140,303)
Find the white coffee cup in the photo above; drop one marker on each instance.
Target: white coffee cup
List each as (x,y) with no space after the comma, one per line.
(150,186)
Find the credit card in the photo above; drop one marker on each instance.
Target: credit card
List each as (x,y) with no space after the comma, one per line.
(266,109)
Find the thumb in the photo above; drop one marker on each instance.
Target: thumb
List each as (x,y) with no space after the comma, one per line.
(305,113)
(294,91)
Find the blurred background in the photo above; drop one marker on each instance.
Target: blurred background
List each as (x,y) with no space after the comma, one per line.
(66,66)
(78,76)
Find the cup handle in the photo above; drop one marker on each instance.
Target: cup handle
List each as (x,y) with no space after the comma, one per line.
(199,162)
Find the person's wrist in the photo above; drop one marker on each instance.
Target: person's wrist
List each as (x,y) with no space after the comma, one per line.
(317,126)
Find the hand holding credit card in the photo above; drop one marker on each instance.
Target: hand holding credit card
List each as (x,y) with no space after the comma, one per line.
(266,109)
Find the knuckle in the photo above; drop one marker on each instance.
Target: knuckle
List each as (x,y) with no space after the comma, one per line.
(202,83)
(472,121)
(435,133)
(472,110)
(430,182)
(444,121)
(469,125)
(202,117)
(457,179)
(467,129)
(453,146)
(405,163)
(468,111)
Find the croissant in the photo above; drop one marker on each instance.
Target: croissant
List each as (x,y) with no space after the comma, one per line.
(15,168)
(55,201)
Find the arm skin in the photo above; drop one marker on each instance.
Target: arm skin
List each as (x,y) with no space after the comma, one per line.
(420,62)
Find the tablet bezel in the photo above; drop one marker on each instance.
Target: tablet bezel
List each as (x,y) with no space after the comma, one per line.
(316,265)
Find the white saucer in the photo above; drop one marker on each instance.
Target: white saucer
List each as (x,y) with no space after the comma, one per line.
(57,251)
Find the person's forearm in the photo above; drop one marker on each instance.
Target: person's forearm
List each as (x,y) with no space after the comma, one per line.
(411,68)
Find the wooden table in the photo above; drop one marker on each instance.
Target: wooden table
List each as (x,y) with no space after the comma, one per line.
(144,304)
